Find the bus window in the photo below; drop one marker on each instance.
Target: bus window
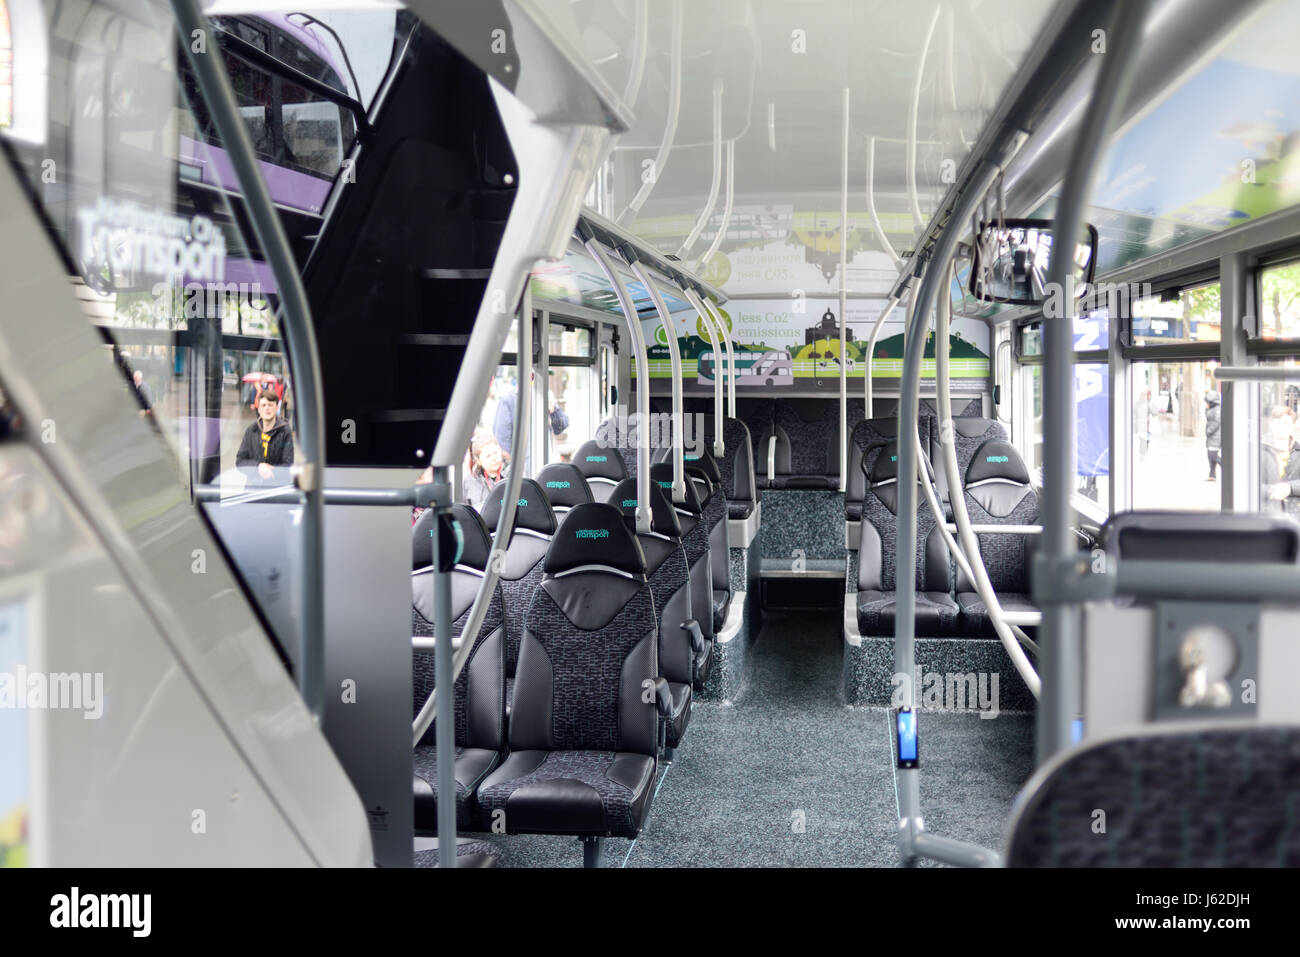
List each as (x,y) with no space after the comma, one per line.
(1177,436)
(1278,464)
(1279,311)
(570,381)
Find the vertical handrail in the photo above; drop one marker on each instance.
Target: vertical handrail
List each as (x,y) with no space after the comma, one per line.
(634,333)
(844,288)
(706,318)
(677,438)
(912,113)
(731,356)
(867,386)
(885,244)
(443,663)
(299,334)
(728,203)
(506,521)
(975,569)
(670,126)
(707,212)
(1061,662)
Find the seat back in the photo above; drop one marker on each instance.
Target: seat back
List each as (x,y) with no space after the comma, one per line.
(876,558)
(866,435)
(1174,796)
(590,643)
(480,687)
(968,434)
(998,492)
(521,571)
(668,573)
(807,434)
(565,486)
(602,466)
(695,539)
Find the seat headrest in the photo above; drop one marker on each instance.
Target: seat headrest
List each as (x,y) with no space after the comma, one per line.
(564,485)
(595,460)
(661,474)
(885,464)
(997,459)
(663,517)
(706,463)
(476,543)
(594,533)
(533,512)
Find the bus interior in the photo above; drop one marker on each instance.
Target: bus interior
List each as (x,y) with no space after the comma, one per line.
(779,487)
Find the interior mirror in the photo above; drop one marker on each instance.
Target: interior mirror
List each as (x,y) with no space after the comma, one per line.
(1012,260)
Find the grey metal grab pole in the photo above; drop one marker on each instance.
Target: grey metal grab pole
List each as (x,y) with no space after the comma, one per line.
(299,334)
(934,277)
(505,523)
(642,362)
(1061,661)
(445,729)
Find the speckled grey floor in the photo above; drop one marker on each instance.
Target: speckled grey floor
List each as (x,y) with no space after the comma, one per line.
(789,776)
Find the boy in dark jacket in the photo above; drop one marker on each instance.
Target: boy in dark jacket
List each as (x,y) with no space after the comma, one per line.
(268,443)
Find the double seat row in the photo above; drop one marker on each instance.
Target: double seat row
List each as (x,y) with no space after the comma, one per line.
(584,667)
(996,489)
(718,490)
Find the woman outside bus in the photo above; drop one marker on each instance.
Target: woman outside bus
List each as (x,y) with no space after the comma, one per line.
(486,468)
(1279,465)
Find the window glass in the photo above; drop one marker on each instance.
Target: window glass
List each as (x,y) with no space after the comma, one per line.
(158,258)
(1279,458)
(571,404)
(1187,315)
(1177,436)
(1092,429)
(568,341)
(1279,308)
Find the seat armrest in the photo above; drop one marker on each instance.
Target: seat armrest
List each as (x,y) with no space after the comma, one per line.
(663,699)
(692,627)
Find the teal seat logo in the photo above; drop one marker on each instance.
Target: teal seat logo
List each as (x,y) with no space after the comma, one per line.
(557,484)
(997,458)
(523,503)
(597,458)
(592,533)
(629,503)
(665,484)
(893,458)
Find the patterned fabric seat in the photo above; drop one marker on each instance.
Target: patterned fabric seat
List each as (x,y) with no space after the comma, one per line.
(695,540)
(998,492)
(936,612)
(1174,797)
(669,578)
(479,703)
(583,736)
(521,571)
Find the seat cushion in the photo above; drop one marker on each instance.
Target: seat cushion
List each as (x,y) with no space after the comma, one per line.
(472,765)
(681,717)
(739,509)
(721,599)
(975,615)
(936,613)
(853,511)
(600,793)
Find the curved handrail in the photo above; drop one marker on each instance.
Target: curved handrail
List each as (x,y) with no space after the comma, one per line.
(677,438)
